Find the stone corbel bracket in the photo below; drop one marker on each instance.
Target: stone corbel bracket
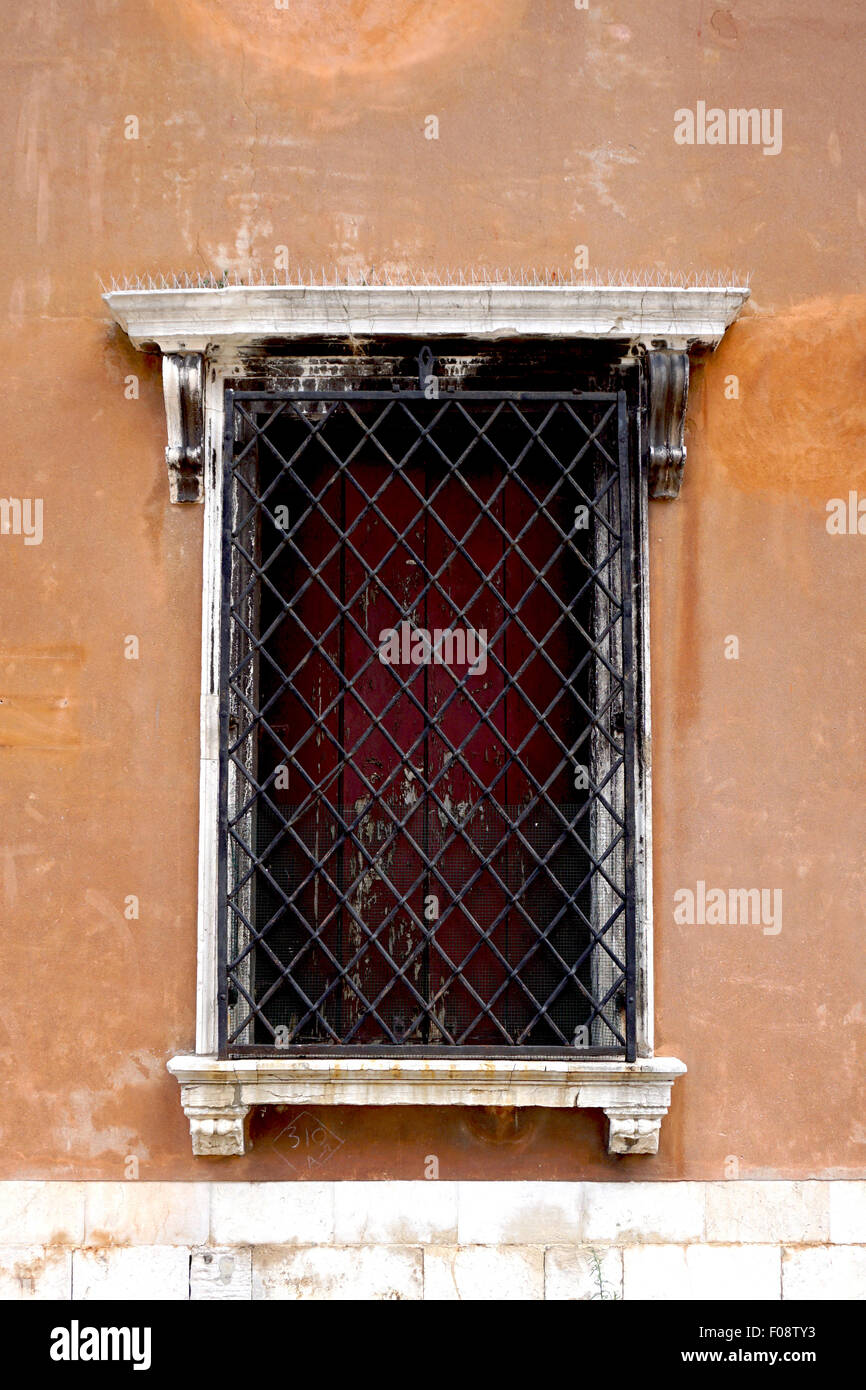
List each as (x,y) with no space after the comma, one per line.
(667,395)
(218,1095)
(182,386)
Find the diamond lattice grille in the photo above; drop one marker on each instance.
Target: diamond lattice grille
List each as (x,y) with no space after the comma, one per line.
(427,722)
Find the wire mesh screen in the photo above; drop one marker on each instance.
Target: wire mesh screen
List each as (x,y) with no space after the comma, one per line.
(427,756)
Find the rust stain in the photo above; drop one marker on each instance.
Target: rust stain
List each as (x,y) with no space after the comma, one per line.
(800,420)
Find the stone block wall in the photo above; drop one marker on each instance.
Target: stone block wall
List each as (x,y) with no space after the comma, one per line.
(433,1240)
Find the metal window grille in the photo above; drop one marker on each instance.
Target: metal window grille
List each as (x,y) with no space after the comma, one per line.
(427,757)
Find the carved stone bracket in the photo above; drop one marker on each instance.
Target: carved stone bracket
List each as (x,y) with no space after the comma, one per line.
(182,382)
(634,1131)
(216,1120)
(667,391)
(216,1095)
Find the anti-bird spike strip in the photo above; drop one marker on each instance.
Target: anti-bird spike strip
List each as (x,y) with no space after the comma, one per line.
(498,277)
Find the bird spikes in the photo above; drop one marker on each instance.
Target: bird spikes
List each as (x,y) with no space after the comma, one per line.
(481,277)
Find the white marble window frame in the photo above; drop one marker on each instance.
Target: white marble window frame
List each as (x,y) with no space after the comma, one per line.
(219,324)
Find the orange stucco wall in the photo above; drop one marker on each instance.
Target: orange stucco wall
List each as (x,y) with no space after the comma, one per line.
(260,127)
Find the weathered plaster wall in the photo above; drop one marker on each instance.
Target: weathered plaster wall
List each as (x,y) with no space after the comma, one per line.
(258,128)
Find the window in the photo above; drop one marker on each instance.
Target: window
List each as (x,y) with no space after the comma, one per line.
(428,743)
(424,822)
